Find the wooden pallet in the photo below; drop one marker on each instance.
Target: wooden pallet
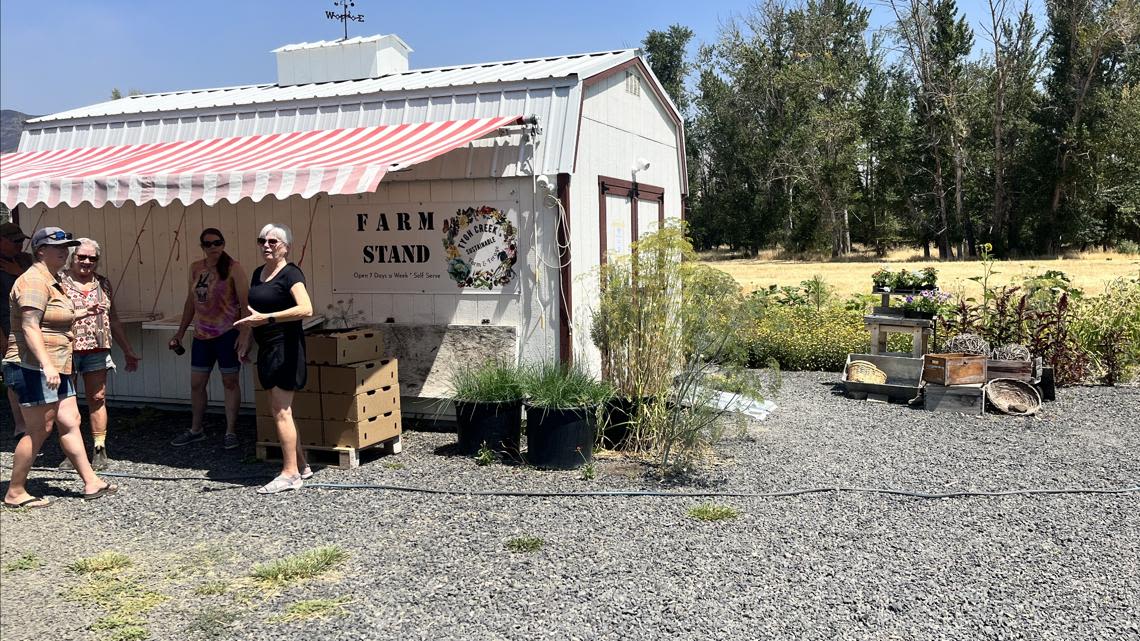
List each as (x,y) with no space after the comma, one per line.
(345,458)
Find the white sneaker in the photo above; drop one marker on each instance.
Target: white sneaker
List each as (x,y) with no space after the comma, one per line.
(281,484)
(306,473)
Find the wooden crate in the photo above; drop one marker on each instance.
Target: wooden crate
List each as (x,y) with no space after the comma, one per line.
(903,378)
(954,369)
(965,399)
(1027,371)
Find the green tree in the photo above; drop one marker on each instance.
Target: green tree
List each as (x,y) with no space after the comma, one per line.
(1090,42)
(665,51)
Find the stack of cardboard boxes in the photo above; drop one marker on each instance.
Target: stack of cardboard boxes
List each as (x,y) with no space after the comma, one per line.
(352,398)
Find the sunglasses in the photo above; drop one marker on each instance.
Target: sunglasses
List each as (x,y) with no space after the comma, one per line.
(272,242)
(206,244)
(57,235)
(84,258)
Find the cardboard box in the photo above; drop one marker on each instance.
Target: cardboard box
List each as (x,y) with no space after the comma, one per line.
(377,402)
(343,347)
(358,378)
(363,433)
(307,405)
(312,376)
(309,431)
(261,403)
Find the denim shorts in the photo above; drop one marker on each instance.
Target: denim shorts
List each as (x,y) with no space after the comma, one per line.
(204,352)
(31,387)
(91,361)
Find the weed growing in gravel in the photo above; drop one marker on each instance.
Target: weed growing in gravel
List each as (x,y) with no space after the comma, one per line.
(104,562)
(117,622)
(212,622)
(395,466)
(314,609)
(27,561)
(200,561)
(525,544)
(131,633)
(212,588)
(713,512)
(119,596)
(589,471)
(485,456)
(306,565)
(123,600)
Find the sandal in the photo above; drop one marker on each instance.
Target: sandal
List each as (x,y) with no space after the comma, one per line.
(282,484)
(101,492)
(27,503)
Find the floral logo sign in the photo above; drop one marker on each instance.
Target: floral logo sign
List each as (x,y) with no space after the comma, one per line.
(481,246)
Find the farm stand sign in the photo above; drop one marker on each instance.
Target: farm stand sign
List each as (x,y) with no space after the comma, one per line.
(415,248)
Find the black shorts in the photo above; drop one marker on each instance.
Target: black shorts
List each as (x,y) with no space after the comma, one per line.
(204,352)
(281,363)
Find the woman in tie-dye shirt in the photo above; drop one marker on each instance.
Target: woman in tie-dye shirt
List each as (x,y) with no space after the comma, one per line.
(217,297)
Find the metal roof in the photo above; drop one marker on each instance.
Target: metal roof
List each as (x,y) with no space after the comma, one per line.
(339,43)
(549,88)
(580,65)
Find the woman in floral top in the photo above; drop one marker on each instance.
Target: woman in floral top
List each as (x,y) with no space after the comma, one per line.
(93,337)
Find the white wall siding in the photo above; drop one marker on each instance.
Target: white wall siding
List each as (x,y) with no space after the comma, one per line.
(617,128)
(147,251)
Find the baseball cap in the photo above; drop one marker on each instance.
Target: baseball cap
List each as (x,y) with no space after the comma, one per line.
(12,232)
(53,236)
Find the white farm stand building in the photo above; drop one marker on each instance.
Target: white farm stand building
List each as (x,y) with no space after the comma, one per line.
(571,178)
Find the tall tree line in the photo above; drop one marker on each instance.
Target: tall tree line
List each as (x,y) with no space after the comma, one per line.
(807,131)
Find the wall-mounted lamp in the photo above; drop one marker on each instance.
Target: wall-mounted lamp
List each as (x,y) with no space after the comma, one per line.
(641,164)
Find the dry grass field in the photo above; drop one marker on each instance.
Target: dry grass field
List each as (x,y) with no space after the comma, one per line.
(1089,271)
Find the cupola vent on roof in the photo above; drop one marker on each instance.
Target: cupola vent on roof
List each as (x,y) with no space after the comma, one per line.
(352,59)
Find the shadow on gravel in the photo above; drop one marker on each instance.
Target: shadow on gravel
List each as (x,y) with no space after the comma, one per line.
(143,435)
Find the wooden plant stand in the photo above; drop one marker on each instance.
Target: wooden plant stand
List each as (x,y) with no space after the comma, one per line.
(880,327)
(345,458)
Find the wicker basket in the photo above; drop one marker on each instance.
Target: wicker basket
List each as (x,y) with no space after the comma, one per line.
(1011,396)
(864,372)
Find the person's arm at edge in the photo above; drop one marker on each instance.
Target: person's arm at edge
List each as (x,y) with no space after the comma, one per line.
(187,308)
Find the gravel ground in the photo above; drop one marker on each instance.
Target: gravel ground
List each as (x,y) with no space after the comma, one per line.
(821,566)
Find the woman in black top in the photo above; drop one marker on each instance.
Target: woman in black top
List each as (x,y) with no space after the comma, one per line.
(278,301)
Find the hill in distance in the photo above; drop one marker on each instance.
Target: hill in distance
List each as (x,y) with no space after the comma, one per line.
(11,125)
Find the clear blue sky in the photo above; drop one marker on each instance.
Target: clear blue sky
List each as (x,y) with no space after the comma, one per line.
(61,54)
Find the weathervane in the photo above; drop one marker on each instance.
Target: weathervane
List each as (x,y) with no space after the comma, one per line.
(344,15)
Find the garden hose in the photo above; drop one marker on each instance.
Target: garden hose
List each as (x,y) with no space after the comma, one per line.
(641,493)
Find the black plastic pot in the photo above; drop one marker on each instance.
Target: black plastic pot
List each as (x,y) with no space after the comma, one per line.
(560,439)
(619,421)
(910,313)
(499,425)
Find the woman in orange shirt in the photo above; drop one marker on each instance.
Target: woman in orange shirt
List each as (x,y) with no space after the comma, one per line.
(37,366)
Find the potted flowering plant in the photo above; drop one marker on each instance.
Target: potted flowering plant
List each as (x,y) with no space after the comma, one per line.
(926,305)
(929,277)
(883,279)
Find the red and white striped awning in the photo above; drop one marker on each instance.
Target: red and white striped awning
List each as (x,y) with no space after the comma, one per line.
(334,161)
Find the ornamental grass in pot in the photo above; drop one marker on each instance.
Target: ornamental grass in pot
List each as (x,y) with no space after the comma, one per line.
(637,328)
(488,408)
(562,408)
